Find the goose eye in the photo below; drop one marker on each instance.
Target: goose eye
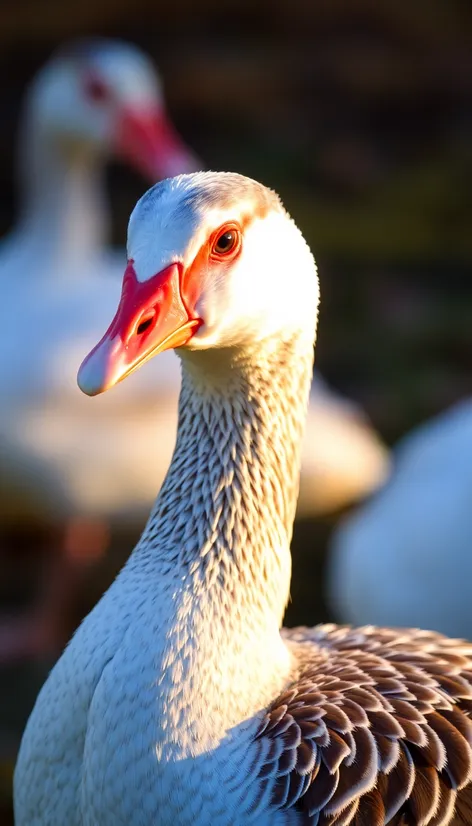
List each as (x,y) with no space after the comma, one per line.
(96,89)
(226,242)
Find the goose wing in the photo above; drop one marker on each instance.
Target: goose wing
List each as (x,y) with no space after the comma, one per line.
(375,729)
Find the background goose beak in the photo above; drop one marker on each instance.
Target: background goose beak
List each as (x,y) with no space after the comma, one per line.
(148,140)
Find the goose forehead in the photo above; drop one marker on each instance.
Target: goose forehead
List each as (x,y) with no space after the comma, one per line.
(101,52)
(120,64)
(127,70)
(175,217)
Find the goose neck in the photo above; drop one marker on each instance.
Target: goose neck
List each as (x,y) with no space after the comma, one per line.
(223,519)
(62,194)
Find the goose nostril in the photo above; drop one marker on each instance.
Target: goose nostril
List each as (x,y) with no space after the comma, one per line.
(144,325)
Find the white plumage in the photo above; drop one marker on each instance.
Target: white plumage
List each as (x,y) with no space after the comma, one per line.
(60,282)
(179,701)
(404,557)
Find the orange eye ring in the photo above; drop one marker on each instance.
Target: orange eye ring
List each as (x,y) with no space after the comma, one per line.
(225,242)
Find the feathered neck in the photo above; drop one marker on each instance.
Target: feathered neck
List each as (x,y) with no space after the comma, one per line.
(225,513)
(214,564)
(62,194)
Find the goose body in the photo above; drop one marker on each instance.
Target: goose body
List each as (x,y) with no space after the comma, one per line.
(179,700)
(66,461)
(404,557)
(343,458)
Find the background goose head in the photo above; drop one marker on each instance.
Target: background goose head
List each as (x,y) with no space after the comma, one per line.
(214,261)
(99,94)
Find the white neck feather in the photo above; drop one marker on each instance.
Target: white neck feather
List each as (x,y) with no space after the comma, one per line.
(217,543)
(62,195)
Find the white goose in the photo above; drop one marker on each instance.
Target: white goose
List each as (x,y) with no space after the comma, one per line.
(94,98)
(343,458)
(179,700)
(405,557)
(59,279)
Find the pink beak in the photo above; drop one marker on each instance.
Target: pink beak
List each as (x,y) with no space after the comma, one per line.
(148,140)
(152,316)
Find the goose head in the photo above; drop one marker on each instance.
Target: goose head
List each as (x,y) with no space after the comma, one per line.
(214,261)
(104,96)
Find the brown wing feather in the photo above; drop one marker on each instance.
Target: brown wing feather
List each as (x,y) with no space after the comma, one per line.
(376,729)
(463,810)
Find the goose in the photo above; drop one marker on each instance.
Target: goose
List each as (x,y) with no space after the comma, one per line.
(344,460)
(179,699)
(94,97)
(404,557)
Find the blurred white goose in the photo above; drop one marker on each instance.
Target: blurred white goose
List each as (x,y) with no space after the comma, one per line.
(179,701)
(57,275)
(58,278)
(405,557)
(343,458)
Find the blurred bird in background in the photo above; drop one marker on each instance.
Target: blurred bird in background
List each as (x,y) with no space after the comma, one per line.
(93,99)
(405,557)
